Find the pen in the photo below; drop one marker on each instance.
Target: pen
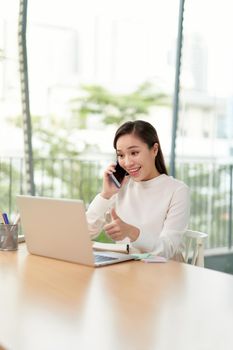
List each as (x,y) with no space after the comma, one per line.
(5,218)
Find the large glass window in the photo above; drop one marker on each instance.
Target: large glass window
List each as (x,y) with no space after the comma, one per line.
(93,64)
(116,45)
(205,133)
(206,122)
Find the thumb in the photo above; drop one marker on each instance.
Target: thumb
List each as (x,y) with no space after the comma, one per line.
(114,214)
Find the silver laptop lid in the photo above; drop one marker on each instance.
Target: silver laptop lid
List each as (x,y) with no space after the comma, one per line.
(56,228)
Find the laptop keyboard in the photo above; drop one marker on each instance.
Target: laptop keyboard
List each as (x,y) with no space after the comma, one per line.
(101,258)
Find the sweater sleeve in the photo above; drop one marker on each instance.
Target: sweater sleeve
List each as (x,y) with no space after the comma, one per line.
(175,224)
(97,214)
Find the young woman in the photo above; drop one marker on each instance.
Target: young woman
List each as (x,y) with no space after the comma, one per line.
(150,209)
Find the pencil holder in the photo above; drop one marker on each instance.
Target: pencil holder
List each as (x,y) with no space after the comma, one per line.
(8,237)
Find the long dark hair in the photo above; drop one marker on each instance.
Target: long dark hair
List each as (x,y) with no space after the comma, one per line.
(147,133)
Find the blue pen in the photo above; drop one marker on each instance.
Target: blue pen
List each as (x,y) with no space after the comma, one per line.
(5,218)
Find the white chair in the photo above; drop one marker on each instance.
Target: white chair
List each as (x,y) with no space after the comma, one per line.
(195,240)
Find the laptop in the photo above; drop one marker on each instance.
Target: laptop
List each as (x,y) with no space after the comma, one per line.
(57,228)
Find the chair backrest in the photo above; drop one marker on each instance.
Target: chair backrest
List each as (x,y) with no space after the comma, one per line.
(195,240)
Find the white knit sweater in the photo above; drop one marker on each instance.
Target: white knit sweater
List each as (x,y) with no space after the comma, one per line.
(158,207)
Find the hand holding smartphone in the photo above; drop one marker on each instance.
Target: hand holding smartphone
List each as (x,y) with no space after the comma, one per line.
(118,176)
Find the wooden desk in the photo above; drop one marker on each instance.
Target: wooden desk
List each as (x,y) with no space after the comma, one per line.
(47,304)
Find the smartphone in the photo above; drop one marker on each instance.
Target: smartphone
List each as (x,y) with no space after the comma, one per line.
(118,176)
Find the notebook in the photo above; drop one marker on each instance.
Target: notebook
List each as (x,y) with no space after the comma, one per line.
(57,228)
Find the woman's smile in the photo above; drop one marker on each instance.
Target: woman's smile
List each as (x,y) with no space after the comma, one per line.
(134,171)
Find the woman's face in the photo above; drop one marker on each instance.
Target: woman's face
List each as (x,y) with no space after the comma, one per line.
(136,158)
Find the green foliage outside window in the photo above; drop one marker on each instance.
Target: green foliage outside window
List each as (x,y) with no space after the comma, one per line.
(114,108)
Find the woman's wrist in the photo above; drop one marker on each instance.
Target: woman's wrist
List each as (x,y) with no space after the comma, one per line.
(105,195)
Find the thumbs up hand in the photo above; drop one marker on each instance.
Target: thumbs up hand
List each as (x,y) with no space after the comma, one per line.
(114,214)
(118,229)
